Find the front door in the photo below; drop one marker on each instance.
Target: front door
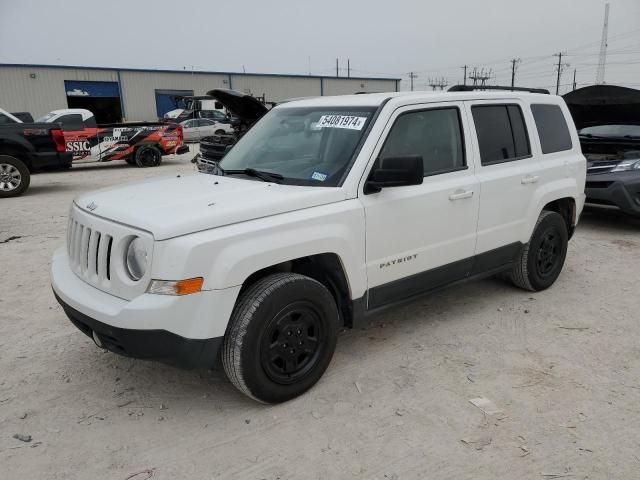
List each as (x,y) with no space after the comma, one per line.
(423,236)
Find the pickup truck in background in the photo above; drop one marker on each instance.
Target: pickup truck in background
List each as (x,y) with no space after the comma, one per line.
(26,147)
(138,143)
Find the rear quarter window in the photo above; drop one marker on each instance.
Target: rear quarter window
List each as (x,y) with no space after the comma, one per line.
(552,128)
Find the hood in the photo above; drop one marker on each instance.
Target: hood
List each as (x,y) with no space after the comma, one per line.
(174,206)
(248,108)
(604,105)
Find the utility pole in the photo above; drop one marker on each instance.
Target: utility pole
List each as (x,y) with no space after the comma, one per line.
(412,76)
(337,69)
(560,67)
(348,68)
(464,82)
(602,60)
(574,78)
(514,67)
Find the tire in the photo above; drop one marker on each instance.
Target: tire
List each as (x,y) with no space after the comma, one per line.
(148,156)
(540,261)
(220,132)
(258,355)
(14,176)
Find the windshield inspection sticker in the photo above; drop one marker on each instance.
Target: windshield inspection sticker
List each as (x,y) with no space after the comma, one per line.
(319,176)
(341,121)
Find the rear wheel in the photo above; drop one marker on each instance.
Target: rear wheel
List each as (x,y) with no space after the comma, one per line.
(281,337)
(148,156)
(540,261)
(14,176)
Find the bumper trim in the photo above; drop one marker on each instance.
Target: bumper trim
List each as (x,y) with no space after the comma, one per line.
(159,345)
(182,149)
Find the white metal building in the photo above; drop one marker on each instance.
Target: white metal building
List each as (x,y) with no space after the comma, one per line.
(139,94)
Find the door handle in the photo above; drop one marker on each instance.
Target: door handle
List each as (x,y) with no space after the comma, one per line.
(530,179)
(460,194)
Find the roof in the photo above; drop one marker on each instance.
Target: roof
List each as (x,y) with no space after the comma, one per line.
(407,98)
(210,72)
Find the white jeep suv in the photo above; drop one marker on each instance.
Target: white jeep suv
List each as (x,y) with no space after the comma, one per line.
(328,210)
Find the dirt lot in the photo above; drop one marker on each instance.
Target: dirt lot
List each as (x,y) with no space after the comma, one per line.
(562,366)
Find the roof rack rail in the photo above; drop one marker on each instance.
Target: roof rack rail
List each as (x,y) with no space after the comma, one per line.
(472,88)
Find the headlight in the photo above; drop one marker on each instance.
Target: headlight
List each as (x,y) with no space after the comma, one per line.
(627,165)
(136,259)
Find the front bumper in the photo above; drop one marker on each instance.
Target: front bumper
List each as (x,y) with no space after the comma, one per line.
(50,159)
(157,345)
(182,149)
(621,190)
(185,331)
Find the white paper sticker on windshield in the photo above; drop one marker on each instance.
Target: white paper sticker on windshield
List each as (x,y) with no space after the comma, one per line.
(341,121)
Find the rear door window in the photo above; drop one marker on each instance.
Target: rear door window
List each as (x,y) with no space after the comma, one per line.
(552,128)
(502,133)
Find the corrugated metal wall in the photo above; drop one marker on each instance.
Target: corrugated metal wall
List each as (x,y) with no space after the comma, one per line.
(139,89)
(21,93)
(46,92)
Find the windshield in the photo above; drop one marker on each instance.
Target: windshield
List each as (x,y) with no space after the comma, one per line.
(612,131)
(46,118)
(306,146)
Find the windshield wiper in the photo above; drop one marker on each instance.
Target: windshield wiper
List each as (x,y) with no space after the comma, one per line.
(252,172)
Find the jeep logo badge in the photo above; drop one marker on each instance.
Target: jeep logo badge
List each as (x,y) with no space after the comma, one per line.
(92,206)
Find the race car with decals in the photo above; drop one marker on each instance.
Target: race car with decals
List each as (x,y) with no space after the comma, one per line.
(141,143)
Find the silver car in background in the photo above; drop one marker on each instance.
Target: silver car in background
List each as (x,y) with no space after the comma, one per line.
(198,128)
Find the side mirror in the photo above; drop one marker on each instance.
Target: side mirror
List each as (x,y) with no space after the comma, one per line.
(395,172)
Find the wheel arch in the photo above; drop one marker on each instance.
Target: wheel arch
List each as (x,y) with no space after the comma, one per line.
(566,207)
(326,268)
(560,196)
(16,150)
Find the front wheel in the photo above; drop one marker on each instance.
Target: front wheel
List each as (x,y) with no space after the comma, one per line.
(541,259)
(281,337)
(14,176)
(148,156)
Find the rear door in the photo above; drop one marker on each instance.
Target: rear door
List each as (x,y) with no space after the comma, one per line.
(508,172)
(80,140)
(422,236)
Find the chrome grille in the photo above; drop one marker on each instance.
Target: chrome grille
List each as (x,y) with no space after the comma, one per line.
(89,251)
(602,167)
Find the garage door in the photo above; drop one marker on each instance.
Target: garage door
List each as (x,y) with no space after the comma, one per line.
(101,98)
(165,100)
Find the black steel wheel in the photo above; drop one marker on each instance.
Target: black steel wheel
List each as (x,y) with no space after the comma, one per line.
(291,344)
(281,337)
(148,156)
(542,258)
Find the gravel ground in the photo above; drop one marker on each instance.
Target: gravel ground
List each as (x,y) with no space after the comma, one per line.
(561,366)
